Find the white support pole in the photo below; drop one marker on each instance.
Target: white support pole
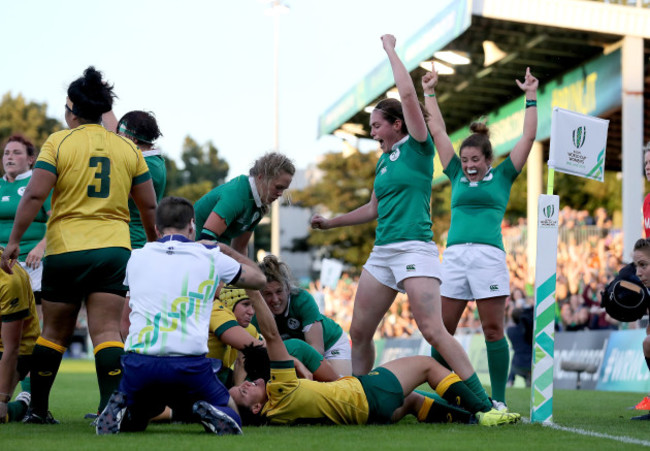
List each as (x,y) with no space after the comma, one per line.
(541,410)
(535,170)
(632,142)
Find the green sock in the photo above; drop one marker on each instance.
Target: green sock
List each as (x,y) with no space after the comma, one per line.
(45,365)
(441,360)
(109,371)
(26,385)
(443,412)
(16,410)
(498,355)
(474,384)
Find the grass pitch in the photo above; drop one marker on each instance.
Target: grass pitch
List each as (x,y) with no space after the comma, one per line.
(582,420)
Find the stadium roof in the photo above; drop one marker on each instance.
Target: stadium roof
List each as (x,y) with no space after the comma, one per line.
(553,37)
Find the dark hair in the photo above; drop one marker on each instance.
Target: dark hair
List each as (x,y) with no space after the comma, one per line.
(17,137)
(276,271)
(174,212)
(256,362)
(257,365)
(90,96)
(391,110)
(642,244)
(480,138)
(140,126)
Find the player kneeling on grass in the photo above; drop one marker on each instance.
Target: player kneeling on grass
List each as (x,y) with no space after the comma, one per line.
(173,283)
(382,396)
(18,335)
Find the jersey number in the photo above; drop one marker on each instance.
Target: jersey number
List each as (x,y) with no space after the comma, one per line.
(103,173)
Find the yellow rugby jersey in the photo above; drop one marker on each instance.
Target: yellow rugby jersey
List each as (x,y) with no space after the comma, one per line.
(95,170)
(16,303)
(293,400)
(222,319)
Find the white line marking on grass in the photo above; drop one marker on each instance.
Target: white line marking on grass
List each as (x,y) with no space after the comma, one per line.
(634,441)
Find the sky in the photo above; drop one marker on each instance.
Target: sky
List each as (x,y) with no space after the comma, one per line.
(205,67)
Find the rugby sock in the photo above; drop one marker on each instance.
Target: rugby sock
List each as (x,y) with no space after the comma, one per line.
(46,359)
(16,410)
(109,369)
(441,360)
(498,355)
(474,384)
(25,385)
(454,390)
(436,410)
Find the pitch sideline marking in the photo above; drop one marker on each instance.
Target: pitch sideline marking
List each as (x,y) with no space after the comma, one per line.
(617,438)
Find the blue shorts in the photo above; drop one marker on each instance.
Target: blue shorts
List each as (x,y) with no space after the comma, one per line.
(153,382)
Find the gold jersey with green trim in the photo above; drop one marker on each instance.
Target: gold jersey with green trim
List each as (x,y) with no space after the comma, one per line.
(95,170)
(222,319)
(292,400)
(17,303)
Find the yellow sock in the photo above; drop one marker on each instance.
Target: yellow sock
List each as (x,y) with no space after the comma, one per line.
(424,410)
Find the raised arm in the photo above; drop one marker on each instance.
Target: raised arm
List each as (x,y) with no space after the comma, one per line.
(268,328)
(361,215)
(435,121)
(413,116)
(519,154)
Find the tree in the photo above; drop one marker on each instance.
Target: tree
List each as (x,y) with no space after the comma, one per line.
(203,170)
(29,119)
(346,184)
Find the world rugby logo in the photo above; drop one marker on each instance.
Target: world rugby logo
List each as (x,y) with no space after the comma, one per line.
(548,211)
(579,135)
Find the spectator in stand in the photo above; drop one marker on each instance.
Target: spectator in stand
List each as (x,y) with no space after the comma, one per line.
(575,315)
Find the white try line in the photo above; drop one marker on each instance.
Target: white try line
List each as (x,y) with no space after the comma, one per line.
(633,441)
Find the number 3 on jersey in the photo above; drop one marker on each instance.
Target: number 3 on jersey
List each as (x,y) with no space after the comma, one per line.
(103,165)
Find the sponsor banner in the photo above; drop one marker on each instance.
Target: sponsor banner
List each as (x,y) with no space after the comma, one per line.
(578,144)
(624,367)
(587,346)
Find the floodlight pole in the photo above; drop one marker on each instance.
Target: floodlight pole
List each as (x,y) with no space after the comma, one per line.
(277,7)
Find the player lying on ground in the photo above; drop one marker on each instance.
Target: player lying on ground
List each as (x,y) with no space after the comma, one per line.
(382,396)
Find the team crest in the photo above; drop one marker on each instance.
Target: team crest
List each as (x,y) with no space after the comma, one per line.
(255,216)
(21,190)
(293,323)
(394,155)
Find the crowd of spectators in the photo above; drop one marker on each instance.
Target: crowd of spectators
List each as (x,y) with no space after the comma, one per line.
(590,253)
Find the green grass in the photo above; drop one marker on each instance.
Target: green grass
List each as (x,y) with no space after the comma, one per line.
(75,393)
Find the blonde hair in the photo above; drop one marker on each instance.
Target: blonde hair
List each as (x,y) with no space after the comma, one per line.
(276,271)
